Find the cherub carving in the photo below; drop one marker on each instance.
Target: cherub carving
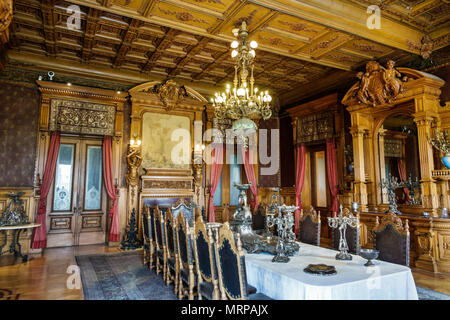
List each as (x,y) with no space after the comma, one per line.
(393,85)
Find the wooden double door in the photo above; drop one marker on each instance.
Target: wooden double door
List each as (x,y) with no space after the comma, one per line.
(77,200)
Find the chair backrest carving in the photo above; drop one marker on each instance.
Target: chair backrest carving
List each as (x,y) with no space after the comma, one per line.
(309,227)
(184,242)
(231,265)
(186,209)
(392,239)
(352,235)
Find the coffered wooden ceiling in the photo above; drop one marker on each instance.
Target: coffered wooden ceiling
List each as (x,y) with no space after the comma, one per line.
(304,46)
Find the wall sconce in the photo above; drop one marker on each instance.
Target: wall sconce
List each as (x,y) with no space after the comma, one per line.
(197,147)
(134,142)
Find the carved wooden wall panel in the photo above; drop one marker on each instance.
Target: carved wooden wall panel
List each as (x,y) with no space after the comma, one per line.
(82,117)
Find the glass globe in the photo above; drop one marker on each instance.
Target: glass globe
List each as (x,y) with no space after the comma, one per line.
(234,53)
(234,44)
(253,44)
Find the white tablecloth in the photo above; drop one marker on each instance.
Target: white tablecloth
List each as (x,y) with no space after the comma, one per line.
(353,281)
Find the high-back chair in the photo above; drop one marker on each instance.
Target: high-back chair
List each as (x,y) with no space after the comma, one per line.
(187,209)
(187,278)
(208,283)
(351,235)
(391,239)
(161,256)
(173,269)
(259,219)
(309,227)
(230,261)
(146,236)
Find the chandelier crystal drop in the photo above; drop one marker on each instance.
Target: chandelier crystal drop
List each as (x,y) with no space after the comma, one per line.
(243,102)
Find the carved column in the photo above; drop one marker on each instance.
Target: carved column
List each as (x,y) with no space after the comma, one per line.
(360,190)
(369,166)
(199,191)
(381,134)
(430,198)
(134,160)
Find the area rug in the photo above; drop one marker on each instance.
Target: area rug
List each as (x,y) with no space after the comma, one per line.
(427,294)
(121,276)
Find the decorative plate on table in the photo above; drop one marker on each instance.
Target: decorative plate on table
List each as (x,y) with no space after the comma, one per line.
(320,269)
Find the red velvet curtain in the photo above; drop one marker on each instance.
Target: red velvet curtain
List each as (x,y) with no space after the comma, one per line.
(402,175)
(216,170)
(301,157)
(250,173)
(39,235)
(332,174)
(114,233)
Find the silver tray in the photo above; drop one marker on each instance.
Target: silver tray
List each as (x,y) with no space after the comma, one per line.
(320,269)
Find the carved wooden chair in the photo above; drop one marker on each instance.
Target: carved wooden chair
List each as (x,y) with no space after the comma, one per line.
(230,261)
(187,279)
(309,227)
(259,219)
(351,235)
(161,255)
(152,237)
(392,239)
(173,270)
(187,209)
(146,235)
(207,284)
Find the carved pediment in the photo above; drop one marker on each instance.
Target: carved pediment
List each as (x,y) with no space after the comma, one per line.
(377,85)
(170,93)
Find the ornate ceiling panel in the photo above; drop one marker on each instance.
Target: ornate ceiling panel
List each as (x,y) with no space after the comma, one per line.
(190,40)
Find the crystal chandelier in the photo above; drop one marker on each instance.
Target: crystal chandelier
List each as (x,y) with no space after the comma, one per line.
(243,102)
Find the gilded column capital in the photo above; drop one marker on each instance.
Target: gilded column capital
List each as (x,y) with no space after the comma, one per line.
(357,132)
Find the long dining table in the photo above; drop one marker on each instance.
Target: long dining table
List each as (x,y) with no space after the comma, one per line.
(353,280)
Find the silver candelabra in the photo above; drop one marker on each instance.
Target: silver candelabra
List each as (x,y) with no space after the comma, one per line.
(341,222)
(286,245)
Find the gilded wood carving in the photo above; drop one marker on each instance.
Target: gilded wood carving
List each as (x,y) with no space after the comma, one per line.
(377,86)
(134,161)
(170,93)
(82,117)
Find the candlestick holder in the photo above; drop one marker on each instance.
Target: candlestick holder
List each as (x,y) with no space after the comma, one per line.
(286,245)
(341,222)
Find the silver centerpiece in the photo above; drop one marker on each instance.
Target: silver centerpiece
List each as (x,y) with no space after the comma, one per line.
(242,224)
(286,245)
(391,185)
(341,222)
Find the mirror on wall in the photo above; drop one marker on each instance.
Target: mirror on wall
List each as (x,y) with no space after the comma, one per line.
(399,159)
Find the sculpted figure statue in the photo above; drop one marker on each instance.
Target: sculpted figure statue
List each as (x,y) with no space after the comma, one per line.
(134,160)
(393,85)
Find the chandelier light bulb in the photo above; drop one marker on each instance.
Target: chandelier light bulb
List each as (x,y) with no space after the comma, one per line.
(253,53)
(256,90)
(241,92)
(234,53)
(269,98)
(234,44)
(253,44)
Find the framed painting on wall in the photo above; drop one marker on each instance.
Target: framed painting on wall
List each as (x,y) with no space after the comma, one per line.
(166,141)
